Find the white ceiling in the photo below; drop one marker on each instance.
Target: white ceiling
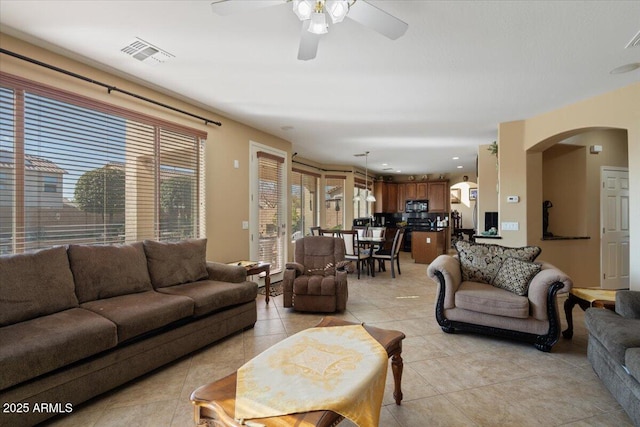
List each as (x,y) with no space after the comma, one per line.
(414,103)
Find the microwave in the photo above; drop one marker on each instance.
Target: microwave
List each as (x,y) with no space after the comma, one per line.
(416,206)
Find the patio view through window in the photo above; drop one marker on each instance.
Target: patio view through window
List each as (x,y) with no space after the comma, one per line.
(73,170)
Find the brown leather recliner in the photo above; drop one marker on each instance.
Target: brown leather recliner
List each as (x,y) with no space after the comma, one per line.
(317,279)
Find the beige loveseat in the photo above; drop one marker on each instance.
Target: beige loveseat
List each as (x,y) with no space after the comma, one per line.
(78,320)
(499,291)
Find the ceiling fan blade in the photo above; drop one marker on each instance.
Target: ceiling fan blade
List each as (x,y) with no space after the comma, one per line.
(229,7)
(377,19)
(308,43)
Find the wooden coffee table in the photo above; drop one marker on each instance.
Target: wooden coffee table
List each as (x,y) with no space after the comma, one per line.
(585,298)
(217,400)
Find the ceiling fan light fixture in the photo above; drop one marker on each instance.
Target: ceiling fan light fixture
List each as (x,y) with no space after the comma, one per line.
(303,8)
(318,24)
(337,9)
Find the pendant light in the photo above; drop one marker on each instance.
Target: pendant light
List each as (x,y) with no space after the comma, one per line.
(370,197)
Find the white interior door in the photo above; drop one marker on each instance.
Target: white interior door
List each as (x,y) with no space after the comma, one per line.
(614,218)
(268,213)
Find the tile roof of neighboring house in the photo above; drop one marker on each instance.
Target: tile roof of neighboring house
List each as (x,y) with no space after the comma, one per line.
(32,163)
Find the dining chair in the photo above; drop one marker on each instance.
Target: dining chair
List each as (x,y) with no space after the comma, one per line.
(330,233)
(394,254)
(377,232)
(315,231)
(354,252)
(361,229)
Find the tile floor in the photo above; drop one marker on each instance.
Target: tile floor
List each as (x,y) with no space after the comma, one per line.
(449,380)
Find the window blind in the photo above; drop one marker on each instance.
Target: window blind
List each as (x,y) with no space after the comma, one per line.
(334,201)
(271,210)
(73,170)
(304,203)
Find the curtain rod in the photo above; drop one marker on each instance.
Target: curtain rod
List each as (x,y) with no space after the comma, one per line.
(109,88)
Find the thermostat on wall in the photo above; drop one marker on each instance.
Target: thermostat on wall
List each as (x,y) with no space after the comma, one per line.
(595,149)
(513,199)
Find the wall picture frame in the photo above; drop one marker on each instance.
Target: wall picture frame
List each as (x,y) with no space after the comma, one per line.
(455,195)
(473,194)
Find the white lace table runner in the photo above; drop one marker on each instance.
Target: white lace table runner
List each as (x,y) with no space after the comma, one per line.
(340,368)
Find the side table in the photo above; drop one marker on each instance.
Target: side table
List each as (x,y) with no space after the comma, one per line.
(585,298)
(262,267)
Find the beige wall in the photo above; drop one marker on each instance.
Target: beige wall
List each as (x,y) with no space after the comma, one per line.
(226,205)
(488,186)
(521,147)
(571,177)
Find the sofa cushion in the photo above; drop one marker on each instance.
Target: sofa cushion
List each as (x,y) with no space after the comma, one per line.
(480,262)
(35,284)
(616,333)
(515,275)
(632,362)
(483,298)
(136,314)
(49,342)
(174,263)
(210,295)
(105,271)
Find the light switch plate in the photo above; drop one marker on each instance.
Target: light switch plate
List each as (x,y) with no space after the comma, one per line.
(510,226)
(245,225)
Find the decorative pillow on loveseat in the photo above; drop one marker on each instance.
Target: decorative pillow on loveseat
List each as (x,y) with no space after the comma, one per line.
(174,263)
(515,275)
(480,262)
(105,271)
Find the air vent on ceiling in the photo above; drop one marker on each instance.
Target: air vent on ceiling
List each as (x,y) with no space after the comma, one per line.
(146,52)
(635,41)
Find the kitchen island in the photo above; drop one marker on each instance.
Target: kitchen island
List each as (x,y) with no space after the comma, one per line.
(427,245)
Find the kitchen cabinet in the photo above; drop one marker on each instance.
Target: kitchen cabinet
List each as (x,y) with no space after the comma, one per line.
(402,196)
(386,194)
(438,195)
(410,191)
(427,245)
(422,191)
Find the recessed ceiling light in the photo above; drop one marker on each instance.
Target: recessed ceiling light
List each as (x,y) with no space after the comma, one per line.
(625,68)
(456,158)
(385,164)
(398,171)
(460,167)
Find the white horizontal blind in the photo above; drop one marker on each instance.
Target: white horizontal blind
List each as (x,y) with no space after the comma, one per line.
(271,215)
(334,201)
(73,170)
(304,199)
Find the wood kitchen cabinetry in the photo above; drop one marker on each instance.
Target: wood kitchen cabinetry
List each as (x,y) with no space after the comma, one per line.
(438,195)
(386,194)
(427,245)
(422,191)
(391,197)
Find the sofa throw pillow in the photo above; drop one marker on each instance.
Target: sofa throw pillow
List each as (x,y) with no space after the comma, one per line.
(173,263)
(480,262)
(105,271)
(35,284)
(515,275)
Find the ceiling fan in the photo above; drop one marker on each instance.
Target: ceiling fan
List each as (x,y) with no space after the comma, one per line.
(315,14)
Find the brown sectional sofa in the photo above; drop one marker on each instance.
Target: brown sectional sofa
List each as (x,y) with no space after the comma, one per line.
(77,321)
